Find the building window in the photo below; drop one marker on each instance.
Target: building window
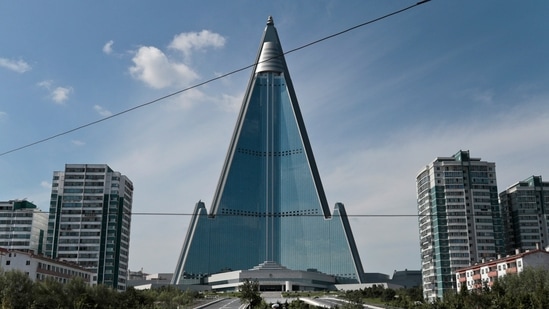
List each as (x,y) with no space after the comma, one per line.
(8,262)
(28,263)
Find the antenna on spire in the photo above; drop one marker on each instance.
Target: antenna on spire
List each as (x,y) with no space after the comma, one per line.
(270,21)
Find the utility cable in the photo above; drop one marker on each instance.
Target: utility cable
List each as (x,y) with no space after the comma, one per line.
(277,215)
(205,82)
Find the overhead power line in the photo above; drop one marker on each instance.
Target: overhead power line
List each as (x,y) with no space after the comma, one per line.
(205,82)
(277,215)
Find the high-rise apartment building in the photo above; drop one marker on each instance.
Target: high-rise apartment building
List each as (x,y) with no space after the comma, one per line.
(459,219)
(269,204)
(525,209)
(22,226)
(89,221)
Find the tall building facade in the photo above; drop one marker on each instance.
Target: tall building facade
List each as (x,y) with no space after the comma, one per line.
(460,220)
(89,221)
(22,226)
(269,204)
(525,208)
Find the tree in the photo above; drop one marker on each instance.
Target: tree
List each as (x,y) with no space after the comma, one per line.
(388,295)
(16,290)
(48,294)
(249,293)
(354,299)
(103,297)
(77,293)
(132,298)
(528,289)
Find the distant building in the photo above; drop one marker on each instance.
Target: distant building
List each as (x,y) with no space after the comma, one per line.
(269,205)
(407,278)
(136,275)
(273,277)
(89,221)
(400,279)
(525,209)
(40,268)
(376,277)
(460,220)
(22,226)
(141,281)
(484,274)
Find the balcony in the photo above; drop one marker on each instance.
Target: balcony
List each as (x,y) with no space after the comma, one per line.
(511,270)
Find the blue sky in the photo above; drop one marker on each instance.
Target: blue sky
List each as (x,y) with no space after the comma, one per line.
(379,102)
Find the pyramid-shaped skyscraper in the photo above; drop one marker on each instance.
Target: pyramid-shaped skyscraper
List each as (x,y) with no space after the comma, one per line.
(269,204)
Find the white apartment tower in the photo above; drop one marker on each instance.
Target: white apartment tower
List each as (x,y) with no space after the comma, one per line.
(525,208)
(459,219)
(22,226)
(89,221)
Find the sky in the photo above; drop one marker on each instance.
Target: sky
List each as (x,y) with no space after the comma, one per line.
(379,102)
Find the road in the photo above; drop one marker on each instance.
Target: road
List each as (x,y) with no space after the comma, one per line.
(224,303)
(330,302)
(234,303)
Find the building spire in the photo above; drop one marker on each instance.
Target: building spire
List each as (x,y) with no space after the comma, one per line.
(271,57)
(269,204)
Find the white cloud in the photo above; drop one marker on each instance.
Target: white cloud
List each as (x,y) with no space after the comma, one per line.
(107,48)
(484,96)
(60,94)
(45,84)
(230,103)
(156,69)
(153,67)
(102,111)
(186,42)
(18,66)
(77,142)
(45,184)
(3,115)
(381,180)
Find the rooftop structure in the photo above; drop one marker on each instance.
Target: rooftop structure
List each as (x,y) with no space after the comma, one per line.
(269,205)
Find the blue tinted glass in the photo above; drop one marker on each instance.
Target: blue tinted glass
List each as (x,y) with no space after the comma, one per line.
(269,207)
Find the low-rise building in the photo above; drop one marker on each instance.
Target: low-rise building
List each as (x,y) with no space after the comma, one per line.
(273,277)
(407,278)
(484,274)
(143,281)
(39,267)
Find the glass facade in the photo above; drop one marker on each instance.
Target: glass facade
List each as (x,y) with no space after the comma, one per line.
(269,204)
